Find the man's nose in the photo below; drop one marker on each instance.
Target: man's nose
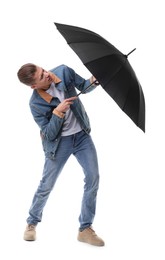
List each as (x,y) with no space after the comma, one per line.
(46,74)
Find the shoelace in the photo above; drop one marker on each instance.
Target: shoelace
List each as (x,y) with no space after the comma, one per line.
(91,231)
(31,227)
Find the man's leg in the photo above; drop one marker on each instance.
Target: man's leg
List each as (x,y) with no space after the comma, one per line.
(52,169)
(85,153)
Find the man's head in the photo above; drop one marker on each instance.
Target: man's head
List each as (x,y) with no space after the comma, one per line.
(34,76)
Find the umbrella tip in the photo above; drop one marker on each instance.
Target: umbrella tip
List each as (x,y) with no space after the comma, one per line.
(130,52)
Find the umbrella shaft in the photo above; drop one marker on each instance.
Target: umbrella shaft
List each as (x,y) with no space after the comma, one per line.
(86,88)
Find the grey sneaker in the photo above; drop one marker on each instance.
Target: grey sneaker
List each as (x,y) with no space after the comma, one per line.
(89,236)
(30,233)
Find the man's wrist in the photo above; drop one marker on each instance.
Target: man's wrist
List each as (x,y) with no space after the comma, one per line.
(58,113)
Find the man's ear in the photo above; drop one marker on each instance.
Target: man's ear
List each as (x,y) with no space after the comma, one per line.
(33,86)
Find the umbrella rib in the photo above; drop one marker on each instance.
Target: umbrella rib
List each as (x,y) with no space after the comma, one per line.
(116,72)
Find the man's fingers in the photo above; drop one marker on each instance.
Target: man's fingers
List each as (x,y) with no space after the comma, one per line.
(70,99)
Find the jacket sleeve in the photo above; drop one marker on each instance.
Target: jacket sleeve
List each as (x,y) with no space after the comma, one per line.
(80,83)
(49,124)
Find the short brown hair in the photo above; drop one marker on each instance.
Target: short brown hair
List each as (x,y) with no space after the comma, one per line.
(26,73)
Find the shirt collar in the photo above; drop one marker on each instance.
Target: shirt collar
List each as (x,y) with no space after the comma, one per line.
(46,96)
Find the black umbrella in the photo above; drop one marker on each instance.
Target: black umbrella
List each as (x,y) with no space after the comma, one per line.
(110,67)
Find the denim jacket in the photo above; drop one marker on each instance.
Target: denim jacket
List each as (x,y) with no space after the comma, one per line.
(41,108)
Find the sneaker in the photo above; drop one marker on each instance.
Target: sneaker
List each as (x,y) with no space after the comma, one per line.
(30,233)
(89,236)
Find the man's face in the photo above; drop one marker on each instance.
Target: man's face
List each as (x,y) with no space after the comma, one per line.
(42,79)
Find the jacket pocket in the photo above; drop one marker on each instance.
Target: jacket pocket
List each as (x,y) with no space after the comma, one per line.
(49,147)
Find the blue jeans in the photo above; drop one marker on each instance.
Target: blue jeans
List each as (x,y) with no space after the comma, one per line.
(82,147)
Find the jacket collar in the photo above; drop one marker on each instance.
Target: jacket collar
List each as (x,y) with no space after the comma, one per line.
(47,97)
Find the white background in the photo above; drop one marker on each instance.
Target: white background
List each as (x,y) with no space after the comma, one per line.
(130,210)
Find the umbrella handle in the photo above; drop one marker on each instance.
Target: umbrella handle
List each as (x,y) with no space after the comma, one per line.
(130,52)
(87,88)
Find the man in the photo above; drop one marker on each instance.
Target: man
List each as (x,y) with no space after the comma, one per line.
(65,130)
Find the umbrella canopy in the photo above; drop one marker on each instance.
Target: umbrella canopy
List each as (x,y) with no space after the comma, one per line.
(110,67)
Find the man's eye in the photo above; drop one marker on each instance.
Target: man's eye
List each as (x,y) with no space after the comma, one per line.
(42,74)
